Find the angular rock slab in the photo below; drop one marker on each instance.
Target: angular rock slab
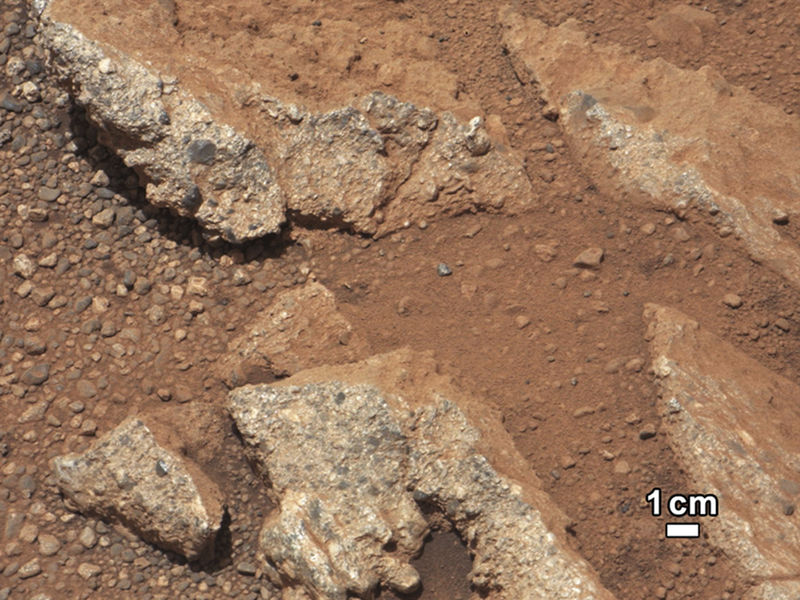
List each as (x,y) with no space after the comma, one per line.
(350,452)
(301,329)
(129,478)
(240,167)
(733,425)
(673,138)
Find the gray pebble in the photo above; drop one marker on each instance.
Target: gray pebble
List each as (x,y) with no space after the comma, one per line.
(442,270)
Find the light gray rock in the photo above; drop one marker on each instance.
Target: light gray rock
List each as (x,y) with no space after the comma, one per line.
(129,478)
(731,423)
(351,452)
(373,167)
(190,164)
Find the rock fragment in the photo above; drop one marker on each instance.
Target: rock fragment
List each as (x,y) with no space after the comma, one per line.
(589,258)
(726,417)
(116,479)
(351,452)
(301,329)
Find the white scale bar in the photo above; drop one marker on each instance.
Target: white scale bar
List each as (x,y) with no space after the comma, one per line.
(683,530)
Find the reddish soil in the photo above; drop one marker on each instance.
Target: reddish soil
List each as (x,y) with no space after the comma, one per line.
(559,351)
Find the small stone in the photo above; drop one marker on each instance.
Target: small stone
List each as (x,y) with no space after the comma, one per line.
(31,92)
(202,152)
(11,104)
(104,218)
(88,570)
(100,179)
(732,300)
(647,431)
(783,324)
(30,569)
(108,329)
(197,286)
(49,194)
(621,467)
(48,544)
(88,538)
(522,321)
(105,66)
(442,270)
(246,568)
(24,266)
(589,258)
(36,375)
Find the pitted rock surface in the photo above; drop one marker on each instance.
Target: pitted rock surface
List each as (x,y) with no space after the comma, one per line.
(373,167)
(301,329)
(127,477)
(674,138)
(727,418)
(350,451)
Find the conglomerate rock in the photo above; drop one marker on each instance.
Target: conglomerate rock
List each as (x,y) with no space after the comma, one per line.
(372,167)
(728,420)
(301,329)
(674,138)
(350,453)
(129,478)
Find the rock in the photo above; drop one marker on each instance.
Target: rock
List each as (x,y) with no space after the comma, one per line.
(371,167)
(246,568)
(727,420)
(30,91)
(49,194)
(301,329)
(87,538)
(36,375)
(89,570)
(117,479)
(30,569)
(24,266)
(674,143)
(589,258)
(350,452)
(442,270)
(48,544)
(732,300)
(104,219)
(11,104)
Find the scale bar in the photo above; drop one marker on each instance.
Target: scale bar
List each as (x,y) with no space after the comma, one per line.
(683,530)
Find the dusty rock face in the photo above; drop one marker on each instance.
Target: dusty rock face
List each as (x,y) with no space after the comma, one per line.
(675,138)
(191,164)
(300,330)
(372,167)
(728,420)
(129,478)
(351,452)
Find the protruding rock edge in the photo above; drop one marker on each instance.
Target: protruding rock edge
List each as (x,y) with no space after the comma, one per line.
(234,193)
(426,477)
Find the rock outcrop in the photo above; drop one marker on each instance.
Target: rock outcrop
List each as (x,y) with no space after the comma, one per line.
(675,138)
(301,329)
(372,167)
(127,477)
(728,420)
(351,453)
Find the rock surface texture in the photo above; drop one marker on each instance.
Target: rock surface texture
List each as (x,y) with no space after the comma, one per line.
(352,454)
(372,167)
(675,138)
(127,477)
(300,330)
(727,418)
